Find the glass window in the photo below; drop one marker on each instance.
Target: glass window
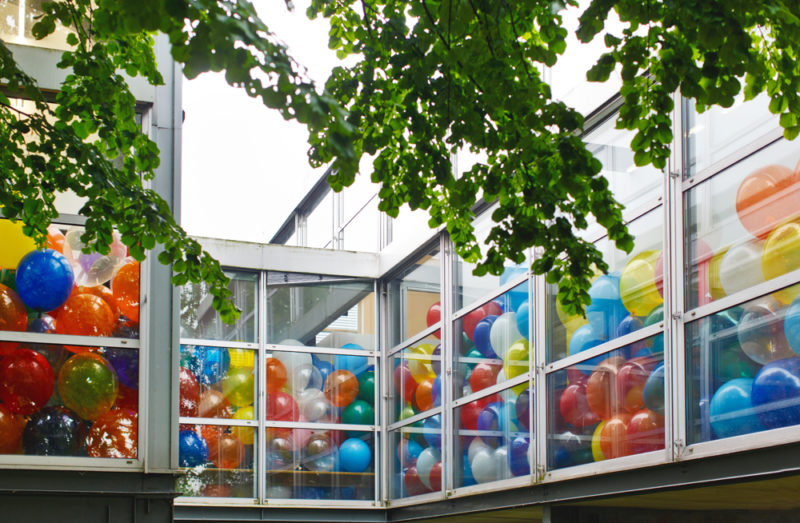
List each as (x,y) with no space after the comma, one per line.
(199,320)
(624,300)
(721,131)
(363,231)
(417,466)
(743,373)
(494,343)
(319,223)
(417,378)
(492,438)
(60,400)
(414,299)
(320,311)
(17,18)
(607,407)
(742,228)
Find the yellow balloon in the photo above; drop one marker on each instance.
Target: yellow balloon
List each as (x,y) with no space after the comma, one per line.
(419,362)
(15,244)
(781,254)
(714,279)
(238,386)
(246,434)
(637,285)
(242,358)
(597,452)
(515,363)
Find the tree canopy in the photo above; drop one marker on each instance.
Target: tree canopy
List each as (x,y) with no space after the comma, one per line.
(428,78)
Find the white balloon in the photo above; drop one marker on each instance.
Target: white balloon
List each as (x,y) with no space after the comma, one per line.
(425,462)
(501,462)
(504,332)
(484,466)
(299,368)
(313,404)
(740,268)
(476,446)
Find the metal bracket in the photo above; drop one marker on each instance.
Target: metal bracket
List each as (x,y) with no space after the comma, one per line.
(674,174)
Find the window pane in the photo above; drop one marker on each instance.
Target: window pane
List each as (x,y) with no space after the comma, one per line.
(743,370)
(320,311)
(319,223)
(17,18)
(414,298)
(417,466)
(417,377)
(624,300)
(362,233)
(199,320)
(493,440)
(742,226)
(607,407)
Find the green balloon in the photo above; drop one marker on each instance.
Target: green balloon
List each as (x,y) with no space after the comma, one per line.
(366,387)
(474,353)
(466,343)
(359,413)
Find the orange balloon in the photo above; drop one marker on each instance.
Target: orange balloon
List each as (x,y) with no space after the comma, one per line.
(214,404)
(614,437)
(114,435)
(601,388)
(228,453)
(11,426)
(423,396)
(85,315)
(212,434)
(341,388)
(125,287)
(101,291)
(55,239)
(13,317)
(767,196)
(276,374)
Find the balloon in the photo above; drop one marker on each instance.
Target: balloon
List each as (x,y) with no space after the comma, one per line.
(276,374)
(484,466)
(584,339)
(423,398)
(412,484)
(408,451)
(791,326)
(209,364)
(214,404)
(629,324)
(515,363)
(436,359)
(358,413)
(13,316)
(637,284)
(471,320)
(699,257)
(341,388)
(53,431)
(245,434)
(11,426)
(646,432)
(15,244)
(324,368)
(189,393)
(601,390)
(522,408)
(404,382)
(761,332)
(192,449)
(281,407)
(781,254)
(483,375)
(482,336)
(776,393)
(55,239)
(503,333)
(125,287)
(631,379)
(523,317)
(436,391)
(314,406)
(574,407)
(228,452)
(355,364)
(88,385)
(469,415)
(467,478)
(740,268)
(26,381)
(597,451)
(714,277)
(85,315)
(419,361)
(238,386)
(731,410)
(614,437)
(476,446)
(656,343)
(518,456)
(425,462)
(570,321)
(493,418)
(432,428)
(127,398)
(518,294)
(298,367)
(125,363)
(354,455)
(653,391)
(434,316)
(114,435)
(435,476)
(766,197)
(242,358)
(606,309)
(366,387)
(44,280)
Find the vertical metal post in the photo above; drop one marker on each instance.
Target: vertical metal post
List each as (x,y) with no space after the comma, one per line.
(377,434)
(538,418)
(260,436)
(384,407)
(446,293)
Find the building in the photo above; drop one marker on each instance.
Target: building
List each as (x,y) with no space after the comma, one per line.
(390,384)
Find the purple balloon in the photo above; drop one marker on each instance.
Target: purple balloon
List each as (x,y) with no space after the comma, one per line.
(436,362)
(126,365)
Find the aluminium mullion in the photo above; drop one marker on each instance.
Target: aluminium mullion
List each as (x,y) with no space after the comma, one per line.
(377,434)
(260,437)
(415,418)
(538,404)
(228,422)
(219,343)
(70,339)
(272,347)
(384,393)
(446,367)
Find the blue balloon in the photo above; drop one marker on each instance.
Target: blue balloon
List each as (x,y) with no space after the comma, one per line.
(354,364)
(192,449)
(432,428)
(518,456)
(436,359)
(54,431)
(731,409)
(209,364)
(467,478)
(492,419)
(629,324)
(606,310)
(436,391)
(44,280)
(583,339)
(126,365)
(791,325)
(518,294)
(354,455)
(653,391)
(409,450)
(776,390)
(523,315)
(481,336)
(324,369)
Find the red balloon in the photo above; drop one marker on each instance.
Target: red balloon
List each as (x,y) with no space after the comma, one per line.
(128,398)
(276,375)
(469,415)
(630,382)
(114,435)
(11,426)
(646,432)
(404,382)
(282,407)
(229,452)
(413,485)
(471,320)
(214,404)
(601,389)
(26,381)
(575,408)
(423,397)
(85,315)
(435,476)
(483,375)
(766,197)
(125,287)
(434,316)
(492,309)
(190,393)
(614,437)
(13,317)
(494,398)
(341,388)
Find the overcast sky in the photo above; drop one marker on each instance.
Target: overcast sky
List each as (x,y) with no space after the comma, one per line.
(245,167)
